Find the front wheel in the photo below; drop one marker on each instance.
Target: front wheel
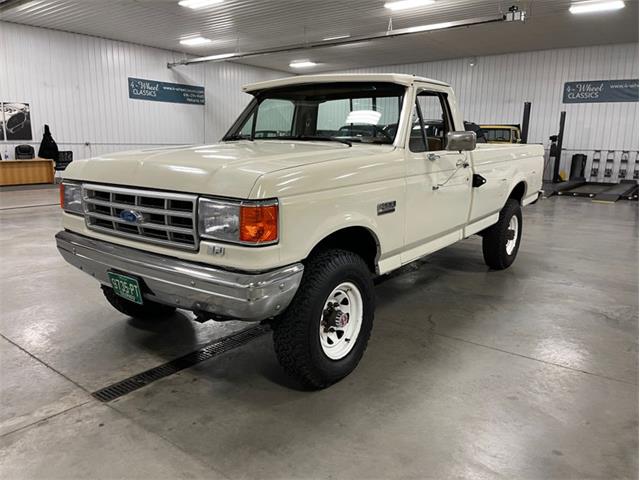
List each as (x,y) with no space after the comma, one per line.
(323,334)
(500,242)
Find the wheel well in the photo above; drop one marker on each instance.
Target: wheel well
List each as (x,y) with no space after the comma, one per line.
(358,240)
(518,192)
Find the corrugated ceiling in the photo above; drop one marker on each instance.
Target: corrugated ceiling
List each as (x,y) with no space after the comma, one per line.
(247,25)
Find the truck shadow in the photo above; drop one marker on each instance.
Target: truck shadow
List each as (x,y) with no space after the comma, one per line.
(407,298)
(404,298)
(177,324)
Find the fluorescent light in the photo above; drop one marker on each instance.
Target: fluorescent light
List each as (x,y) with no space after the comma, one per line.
(195,41)
(219,56)
(337,37)
(195,4)
(592,7)
(433,26)
(302,64)
(406,4)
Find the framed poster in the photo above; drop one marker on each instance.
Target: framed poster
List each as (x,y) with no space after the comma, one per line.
(16,122)
(2,139)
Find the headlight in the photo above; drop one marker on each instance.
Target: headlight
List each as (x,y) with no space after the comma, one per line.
(71,197)
(246,222)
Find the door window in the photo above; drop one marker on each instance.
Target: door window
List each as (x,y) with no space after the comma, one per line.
(430,123)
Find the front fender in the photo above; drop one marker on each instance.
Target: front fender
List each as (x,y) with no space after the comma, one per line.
(336,224)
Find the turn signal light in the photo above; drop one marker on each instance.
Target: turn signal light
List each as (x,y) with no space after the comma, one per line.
(259,223)
(62,195)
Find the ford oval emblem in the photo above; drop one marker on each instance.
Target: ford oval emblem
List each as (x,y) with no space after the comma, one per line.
(131,216)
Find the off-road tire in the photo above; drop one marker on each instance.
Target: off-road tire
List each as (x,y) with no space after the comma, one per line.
(494,239)
(296,334)
(149,311)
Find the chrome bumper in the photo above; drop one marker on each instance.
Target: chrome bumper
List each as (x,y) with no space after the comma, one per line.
(191,286)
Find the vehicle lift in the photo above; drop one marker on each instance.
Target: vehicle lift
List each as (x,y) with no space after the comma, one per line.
(579,186)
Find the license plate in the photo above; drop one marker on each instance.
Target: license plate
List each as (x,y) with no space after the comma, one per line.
(127,287)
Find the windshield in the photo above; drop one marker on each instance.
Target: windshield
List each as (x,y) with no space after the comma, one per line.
(365,112)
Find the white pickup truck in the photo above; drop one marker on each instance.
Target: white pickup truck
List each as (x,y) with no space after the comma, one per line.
(322,183)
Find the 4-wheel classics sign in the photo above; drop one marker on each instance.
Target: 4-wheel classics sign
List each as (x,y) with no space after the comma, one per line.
(601,91)
(141,89)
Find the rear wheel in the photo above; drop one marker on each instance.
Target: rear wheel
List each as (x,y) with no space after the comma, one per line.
(148,311)
(323,334)
(500,242)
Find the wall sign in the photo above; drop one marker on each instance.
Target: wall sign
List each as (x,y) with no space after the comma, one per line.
(141,89)
(600,91)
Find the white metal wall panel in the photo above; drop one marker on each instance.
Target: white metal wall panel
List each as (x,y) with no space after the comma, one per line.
(495,90)
(77,84)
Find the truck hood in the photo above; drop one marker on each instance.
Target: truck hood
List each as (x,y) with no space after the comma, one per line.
(228,169)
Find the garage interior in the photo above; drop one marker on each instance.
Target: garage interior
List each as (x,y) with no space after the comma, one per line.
(530,372)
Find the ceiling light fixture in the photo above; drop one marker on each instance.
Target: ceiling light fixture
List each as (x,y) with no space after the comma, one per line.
(406,4)
(196,4)
(337,37)
(220,56)
(195,41)
(302,64)
(427,28)
(593,7)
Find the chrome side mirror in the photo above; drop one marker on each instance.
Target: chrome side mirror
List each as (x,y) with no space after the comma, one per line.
(461,141)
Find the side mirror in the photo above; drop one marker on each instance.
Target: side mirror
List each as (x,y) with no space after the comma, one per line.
(461,141)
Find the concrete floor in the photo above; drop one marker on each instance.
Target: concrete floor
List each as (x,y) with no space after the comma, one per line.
(527,373)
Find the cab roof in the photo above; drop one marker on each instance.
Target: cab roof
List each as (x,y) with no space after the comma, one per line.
(399,78)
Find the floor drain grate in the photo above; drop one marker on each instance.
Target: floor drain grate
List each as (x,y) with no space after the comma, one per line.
(215,348)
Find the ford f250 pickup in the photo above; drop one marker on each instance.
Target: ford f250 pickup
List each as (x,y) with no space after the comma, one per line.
(321,184)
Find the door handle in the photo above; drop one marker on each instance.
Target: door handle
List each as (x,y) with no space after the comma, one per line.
(462,163)
(433,156)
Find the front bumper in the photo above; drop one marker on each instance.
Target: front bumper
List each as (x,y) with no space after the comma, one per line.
(187,285)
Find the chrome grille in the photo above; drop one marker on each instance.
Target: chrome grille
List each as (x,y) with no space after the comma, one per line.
(164,218)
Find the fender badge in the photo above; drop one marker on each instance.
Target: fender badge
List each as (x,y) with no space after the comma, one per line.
(386,207)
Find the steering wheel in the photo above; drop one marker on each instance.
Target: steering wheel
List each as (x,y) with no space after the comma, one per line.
(391,129)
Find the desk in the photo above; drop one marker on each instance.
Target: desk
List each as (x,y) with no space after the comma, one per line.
(26,172)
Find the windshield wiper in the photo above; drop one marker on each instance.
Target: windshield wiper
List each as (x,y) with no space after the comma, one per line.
(327,139)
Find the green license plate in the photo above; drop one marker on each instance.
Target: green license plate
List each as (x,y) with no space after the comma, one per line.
(127,287)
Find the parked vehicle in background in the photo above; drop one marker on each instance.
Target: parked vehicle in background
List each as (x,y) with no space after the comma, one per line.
(321,184)
(477,129)
(502,133)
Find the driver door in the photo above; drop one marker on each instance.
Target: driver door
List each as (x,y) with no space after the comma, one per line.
(438,182)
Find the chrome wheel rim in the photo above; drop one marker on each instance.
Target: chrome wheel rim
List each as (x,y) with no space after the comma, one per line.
(340,321)
(512,234)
